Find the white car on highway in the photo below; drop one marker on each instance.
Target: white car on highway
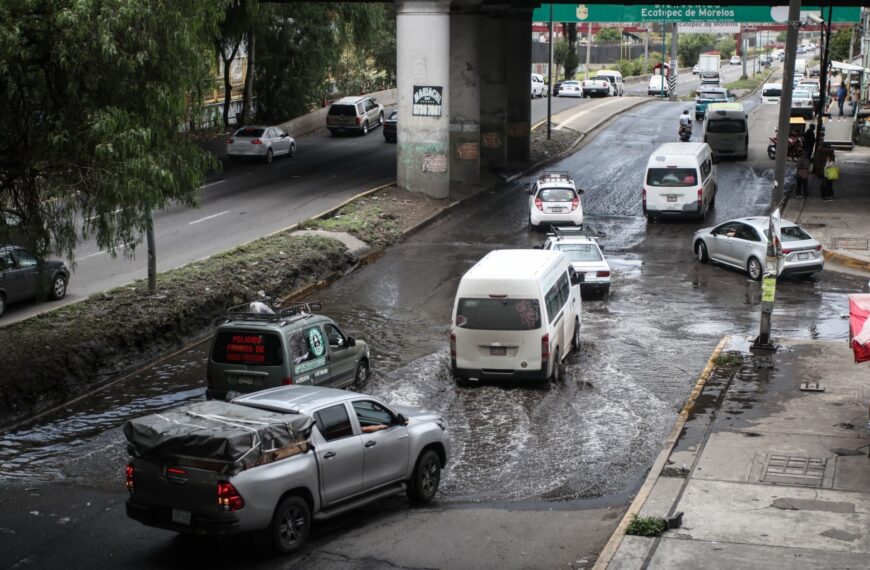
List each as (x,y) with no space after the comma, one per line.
(735,60)
(260,142)
(585,257)
(554,199)
(570,89)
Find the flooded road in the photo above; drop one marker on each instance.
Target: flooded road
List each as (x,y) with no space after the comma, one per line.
(591,437)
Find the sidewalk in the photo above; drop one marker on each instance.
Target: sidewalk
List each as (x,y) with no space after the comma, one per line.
(766,475)
(843,225)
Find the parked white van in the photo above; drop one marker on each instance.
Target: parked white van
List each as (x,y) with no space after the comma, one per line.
(515,317)
(615,79)
(771,92)
(726,129)
(680,180)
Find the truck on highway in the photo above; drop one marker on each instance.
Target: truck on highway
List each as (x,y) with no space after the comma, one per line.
(278,459)
(709,62)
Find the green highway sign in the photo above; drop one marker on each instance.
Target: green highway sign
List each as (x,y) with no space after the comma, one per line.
(684,13)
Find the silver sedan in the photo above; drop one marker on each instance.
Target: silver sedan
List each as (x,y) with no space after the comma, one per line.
(260,142)
(742,243)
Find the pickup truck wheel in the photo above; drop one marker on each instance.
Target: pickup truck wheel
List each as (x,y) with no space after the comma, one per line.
(361,374)
(291,524)
(2,304)
(426,477)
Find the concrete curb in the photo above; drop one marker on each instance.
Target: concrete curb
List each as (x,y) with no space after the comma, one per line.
(609,550)
(846,259)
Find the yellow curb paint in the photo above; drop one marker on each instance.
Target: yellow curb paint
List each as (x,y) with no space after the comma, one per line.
(612,545)
(846,260)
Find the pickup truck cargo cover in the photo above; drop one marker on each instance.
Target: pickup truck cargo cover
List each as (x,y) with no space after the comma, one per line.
(215,431)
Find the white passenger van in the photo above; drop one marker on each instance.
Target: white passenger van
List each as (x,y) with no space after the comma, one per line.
(615,79)
(726,129)
(680,180)
(515,317)
(771,92)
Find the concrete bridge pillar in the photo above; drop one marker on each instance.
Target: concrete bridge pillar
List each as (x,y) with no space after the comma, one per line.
(518,69)
(423,74)
(493,92)
(464,99)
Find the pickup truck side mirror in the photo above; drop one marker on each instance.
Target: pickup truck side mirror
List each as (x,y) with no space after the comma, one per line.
(403,419)
(351,341)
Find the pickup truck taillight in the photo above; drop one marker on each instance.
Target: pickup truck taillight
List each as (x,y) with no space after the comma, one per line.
(602,274)
(128,476)
(228,498)
(287,381)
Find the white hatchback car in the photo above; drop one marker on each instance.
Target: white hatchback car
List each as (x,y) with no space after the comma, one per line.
(585,257)
(742,243)
(260,142)
(554,199)
(570,89)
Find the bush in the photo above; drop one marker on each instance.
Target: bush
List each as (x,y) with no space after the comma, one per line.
(646,526)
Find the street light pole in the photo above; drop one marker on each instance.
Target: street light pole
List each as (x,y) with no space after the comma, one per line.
(768,287)
(550,79)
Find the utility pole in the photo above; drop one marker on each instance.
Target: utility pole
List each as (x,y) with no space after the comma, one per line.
(672,88)
(550,79)
(743,44)
(768,287)
(588,46)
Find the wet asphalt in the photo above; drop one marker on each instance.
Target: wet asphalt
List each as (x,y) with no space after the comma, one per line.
(586,442)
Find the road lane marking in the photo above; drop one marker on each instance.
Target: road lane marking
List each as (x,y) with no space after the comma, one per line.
(97,216)
(570,119)
(204,186)
(101,252)
(208,217)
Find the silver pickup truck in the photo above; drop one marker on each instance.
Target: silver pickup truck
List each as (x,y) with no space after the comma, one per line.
(278,459)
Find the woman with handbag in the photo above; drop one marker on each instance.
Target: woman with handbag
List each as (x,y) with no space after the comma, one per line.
(832,172)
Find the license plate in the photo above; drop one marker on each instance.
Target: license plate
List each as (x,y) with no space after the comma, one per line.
(497,351)
(557,209)
(245,380)
(803,256)
(180,517)
(672,198)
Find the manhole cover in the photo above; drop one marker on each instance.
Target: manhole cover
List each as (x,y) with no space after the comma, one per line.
(851,243)
(795,470)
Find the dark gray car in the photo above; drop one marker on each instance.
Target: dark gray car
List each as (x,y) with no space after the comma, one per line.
(23,276)
(258,347)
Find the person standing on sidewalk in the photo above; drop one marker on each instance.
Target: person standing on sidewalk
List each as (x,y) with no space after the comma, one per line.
(810,141)
(832,173)
(803,174)
(841,97)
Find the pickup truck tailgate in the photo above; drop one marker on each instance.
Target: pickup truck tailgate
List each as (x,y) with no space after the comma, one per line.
(177,496)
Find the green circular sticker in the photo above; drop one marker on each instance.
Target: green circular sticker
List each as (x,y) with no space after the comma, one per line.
(315,342)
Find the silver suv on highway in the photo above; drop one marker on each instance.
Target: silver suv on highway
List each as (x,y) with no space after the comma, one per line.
(359,114)
(277,460)
(259,346)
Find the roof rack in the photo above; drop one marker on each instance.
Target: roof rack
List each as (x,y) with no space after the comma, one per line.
(574,231)
(268,312)
(555,176)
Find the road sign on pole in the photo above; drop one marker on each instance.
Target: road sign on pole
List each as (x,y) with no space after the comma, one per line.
(616,13)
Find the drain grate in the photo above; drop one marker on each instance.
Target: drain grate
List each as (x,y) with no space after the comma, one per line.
(795,470)
(851,243)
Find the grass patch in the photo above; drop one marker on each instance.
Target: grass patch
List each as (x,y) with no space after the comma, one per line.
(369,220)
(646,526)
(749,83)
(729,360)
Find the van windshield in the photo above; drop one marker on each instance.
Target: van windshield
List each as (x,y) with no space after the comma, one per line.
(726,126)
(241,347)
(672,177)
(498,314)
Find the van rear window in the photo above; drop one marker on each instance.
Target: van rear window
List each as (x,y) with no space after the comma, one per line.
(726,126)
(240,347)
(498,314)
(771,92)
(672,177)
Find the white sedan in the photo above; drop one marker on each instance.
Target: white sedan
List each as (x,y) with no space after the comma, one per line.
(735,60)
(570,89)
(260,142)
(585,257)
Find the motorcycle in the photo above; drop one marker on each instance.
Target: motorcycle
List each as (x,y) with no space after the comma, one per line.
(795,148)
(685,133)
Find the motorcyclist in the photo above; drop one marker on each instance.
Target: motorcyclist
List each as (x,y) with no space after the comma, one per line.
(686,122)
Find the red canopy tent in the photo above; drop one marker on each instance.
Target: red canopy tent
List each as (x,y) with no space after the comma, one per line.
(859,326)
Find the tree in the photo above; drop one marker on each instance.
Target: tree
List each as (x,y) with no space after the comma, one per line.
(606,35)
(92,97)
(780,37)
(572,60)
(690,46)
(726,47)
(840,44)
(234,27)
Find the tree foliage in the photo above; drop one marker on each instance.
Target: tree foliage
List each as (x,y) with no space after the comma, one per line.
(840,44)
(726,47)
(605,35)
(565,57)
(690,46)
(92,97)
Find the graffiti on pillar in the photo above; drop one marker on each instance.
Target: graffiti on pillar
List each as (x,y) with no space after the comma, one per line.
(491,140)
(518,129)
(434,163)
(468,151)
(427,101)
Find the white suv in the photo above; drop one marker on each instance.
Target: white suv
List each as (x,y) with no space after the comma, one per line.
(585,257)
(555,199)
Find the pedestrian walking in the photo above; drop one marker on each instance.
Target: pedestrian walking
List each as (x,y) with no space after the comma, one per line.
(832,173)
(810,141)
(803,174)
(841,97)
